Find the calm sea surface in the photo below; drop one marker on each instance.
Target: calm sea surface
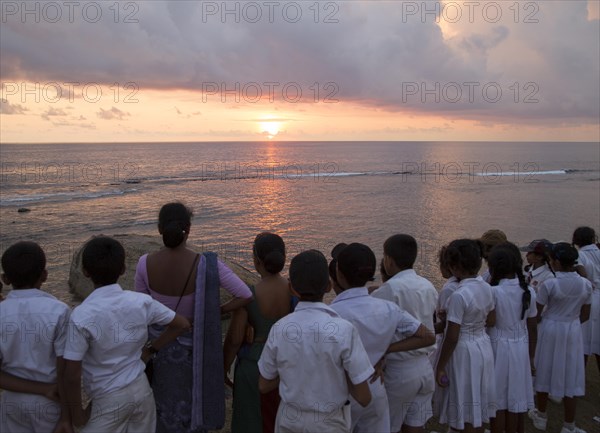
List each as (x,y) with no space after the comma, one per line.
(314,194)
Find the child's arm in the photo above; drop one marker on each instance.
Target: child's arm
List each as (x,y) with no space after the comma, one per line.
(267,385)
(532,333)
(450,342)
(490,320)
(26,386)
(72,386)
(175,328)
(360,392)
(64,423)
(540,309)
(422,338)
(584,315)
(234,339)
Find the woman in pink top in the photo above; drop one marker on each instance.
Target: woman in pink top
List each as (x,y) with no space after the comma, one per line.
(173,276)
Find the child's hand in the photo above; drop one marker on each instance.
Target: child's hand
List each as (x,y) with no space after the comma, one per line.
(379,370)
(82,416)
(63,426)
(51,392)
(441,378)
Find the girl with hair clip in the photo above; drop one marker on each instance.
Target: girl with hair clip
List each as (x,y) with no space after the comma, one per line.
(254,412)
(563,303)
(465,369)
(513,338)
(538,264)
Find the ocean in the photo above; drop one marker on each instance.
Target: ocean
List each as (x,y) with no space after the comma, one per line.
(314,194)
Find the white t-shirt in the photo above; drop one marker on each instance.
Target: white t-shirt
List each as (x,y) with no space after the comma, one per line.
(379,323)
(33,332)
(107,333)
(415,295)
(311,350)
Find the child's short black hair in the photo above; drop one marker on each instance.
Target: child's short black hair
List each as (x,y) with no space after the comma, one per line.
(565,253)
(465,254)
(335,252)
(309,275)
(23,264)
(402,249)
(357,263)
(103,259)
(583,236)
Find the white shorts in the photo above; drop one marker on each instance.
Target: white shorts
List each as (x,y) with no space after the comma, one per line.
(130,409)
(375,417)
(27,413)
(291,419)
(409,385)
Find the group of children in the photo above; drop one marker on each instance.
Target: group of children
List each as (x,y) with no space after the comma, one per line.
(367,362)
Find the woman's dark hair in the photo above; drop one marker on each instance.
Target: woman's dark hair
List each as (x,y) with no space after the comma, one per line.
(174,222)
(565,253)
(505,261)
(357,263)
(464,254)
(583,236)
(269,248)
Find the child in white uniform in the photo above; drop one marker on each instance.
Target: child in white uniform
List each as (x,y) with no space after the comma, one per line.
(513,338)
(465,369)
(107,333)
(559,352)
(315,357)
(589,258)
(383,328)
(32,342)
(408,378)
(538,269)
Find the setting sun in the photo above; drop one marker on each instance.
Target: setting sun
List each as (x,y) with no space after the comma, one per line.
(271,127)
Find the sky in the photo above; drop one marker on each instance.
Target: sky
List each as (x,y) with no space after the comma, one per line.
(132,71)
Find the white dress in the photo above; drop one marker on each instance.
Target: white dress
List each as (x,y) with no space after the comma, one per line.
(448,289)
(559,351)
(471,392)
(589,258)
(510,341)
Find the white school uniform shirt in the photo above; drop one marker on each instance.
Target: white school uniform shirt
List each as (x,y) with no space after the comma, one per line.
(415,295)
(448,288)
(378,322)
(539,275)
(508,300)
(564,296)
(33,332)
(470,305)
(486,276)
(589,258)
(310,350)
(107,333)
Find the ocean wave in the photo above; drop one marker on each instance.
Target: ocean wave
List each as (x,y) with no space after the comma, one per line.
(60,196)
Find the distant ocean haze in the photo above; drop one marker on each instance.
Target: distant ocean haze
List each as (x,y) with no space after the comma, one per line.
(314,194)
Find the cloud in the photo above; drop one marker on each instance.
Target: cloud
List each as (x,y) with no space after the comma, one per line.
(8,108)
(53,112)
(372,55)
(113,113)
